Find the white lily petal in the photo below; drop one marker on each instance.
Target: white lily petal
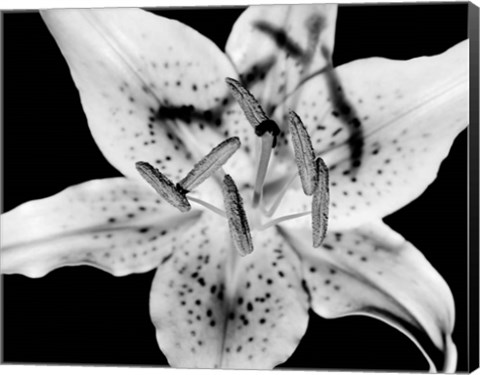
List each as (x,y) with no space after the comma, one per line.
(117,225)
(374,271)
(153,89)
(274,48)
(409,114)
(215,309)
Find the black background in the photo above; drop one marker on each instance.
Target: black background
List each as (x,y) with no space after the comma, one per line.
(82,315)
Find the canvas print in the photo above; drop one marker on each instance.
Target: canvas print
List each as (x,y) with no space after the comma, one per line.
(254,187)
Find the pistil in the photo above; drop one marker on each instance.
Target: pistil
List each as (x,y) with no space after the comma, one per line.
(264,127)
(265,152)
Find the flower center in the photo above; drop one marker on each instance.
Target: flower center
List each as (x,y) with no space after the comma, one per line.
(253,214)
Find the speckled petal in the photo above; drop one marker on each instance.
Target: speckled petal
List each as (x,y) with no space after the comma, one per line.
(116,225)
(152,88)
(408,112)
(374,271)
(215,309)
(275,47)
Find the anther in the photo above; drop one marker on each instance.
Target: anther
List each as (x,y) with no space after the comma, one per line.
(304,154)
(320,202)
(236,217)
(209,164)
(163,186)
(252,109)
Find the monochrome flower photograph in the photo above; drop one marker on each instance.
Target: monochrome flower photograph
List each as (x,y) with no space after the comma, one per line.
(263,187)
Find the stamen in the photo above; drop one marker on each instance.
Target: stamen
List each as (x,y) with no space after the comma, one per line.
(163,186)
(265,128)
(304,154)
(208,206)
(284,218)
(236,217)
(280,196)
(209,164)
(320,202)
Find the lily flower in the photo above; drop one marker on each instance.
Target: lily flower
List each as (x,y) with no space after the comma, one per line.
(243,260)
